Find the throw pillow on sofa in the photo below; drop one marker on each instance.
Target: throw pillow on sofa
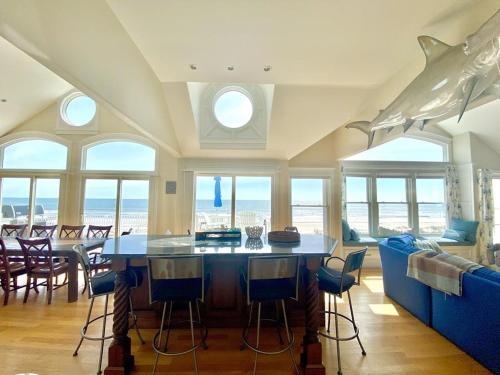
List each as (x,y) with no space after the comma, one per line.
(355,235)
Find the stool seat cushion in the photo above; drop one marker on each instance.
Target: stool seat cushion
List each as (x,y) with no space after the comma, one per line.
(330,280)
(103,282)
(179,289)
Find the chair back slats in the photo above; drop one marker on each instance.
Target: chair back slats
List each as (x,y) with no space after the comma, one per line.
(4,260)
(99,231)
(71,231)
(13,230)
(176,267)
(271,268)
(36,252)
(43,231)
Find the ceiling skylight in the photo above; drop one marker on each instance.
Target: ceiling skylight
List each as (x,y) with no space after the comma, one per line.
(233,109)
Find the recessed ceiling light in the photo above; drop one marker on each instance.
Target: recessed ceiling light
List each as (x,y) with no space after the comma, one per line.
(193,66)
(230,68)
(267,68)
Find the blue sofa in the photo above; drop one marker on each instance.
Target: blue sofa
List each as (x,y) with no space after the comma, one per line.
(471,321)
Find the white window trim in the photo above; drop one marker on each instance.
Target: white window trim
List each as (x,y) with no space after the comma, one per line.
(62,127)
(327,174)
(152,198)
(233,175)
(14,138)
(116,137)
(408,170)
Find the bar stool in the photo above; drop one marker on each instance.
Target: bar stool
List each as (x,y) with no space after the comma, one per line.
(177,278)
(335,283)
(271,278)
(102,284)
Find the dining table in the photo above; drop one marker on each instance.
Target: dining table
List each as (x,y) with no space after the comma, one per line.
(131,251)
(62,248)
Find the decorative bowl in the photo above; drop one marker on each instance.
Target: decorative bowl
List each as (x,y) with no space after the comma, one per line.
(254,231)
(254,244)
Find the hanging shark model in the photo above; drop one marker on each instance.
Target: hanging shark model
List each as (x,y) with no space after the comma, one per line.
(453,77)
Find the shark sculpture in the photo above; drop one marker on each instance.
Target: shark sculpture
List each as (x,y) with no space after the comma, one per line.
(453,77)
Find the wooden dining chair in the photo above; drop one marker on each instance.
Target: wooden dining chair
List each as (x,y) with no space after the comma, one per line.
(13,230)
(39,265)
(43,231)
(71,232)
(9,270)
(99,231)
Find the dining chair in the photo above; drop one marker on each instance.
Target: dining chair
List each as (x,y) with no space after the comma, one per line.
(40,265)
(13,230)
(71,231)
(98,231)
(96,262)
(335,283)
(271,279)
(43,231)
(9,270)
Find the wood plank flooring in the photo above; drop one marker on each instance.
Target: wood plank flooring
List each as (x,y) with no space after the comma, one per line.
(40,339)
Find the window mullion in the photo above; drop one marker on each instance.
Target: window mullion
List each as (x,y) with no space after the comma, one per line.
(233,201)
(31,201)
(118,205)
(373,205)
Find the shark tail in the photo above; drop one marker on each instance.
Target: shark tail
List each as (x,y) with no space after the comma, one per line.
(363,126)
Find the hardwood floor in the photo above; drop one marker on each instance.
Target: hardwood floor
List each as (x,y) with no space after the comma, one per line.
(40,339)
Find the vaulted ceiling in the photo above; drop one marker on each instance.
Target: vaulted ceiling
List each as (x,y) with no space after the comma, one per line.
(332,61)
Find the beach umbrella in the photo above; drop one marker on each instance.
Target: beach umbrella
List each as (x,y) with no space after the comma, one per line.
(218,198)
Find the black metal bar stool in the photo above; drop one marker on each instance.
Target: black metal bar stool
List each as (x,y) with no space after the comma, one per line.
(271,278)
(335,283)
(177,279)
(102,284)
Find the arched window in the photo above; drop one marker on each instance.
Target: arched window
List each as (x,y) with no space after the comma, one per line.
(404,149)
(119,156)
(35,154)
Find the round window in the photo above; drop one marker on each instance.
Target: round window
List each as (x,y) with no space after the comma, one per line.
(233,109)
(78,109)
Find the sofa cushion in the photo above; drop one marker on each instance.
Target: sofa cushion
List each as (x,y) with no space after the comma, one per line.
(469,227)
(453,234)
(487,274)
(346,231)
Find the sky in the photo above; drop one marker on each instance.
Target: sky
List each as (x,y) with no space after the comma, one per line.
(403,149)
(80,110)
(233,109)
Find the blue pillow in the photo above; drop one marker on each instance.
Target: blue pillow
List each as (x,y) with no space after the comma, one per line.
(401,241)
(346,231)
(469,227)
(354,235)
(457,235)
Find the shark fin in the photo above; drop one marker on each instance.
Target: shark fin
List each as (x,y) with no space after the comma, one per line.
(364,126)
(433,48)
(468,89)
(407,125)
(421,124)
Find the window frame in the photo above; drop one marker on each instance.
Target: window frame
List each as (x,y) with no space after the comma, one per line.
(99,140)
(233,176)
(369,203)
(327,174)
(33,136)
(120,178)
(495,176)
(408,170)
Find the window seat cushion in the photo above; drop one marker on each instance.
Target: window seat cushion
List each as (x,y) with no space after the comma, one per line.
(449,242)
(363,241)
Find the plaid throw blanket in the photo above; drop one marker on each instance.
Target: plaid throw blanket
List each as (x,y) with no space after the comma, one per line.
(440,271)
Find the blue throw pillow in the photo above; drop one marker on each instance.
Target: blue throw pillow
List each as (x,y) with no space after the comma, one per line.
(457,235)
(469,227)
(354,235)
(346,231)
